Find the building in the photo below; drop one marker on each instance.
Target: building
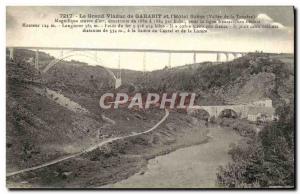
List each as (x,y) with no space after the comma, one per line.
(262,103)
(260,113)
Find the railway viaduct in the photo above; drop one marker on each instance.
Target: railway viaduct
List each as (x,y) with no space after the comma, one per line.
(67,52)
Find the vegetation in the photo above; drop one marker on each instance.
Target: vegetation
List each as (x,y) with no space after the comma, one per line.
(265,160)
(243,127)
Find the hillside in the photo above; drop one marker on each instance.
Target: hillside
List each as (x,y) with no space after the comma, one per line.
(34,121)
(53,115)
(46,123)
(252,77)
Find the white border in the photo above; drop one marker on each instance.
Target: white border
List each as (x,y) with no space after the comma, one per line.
(145,2)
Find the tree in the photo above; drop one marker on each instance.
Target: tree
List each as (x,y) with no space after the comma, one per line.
(265,160)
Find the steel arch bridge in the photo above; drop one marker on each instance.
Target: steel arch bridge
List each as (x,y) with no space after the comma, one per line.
(117,78)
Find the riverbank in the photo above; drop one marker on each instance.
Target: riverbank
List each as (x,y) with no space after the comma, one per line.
(117,160)
(190,167)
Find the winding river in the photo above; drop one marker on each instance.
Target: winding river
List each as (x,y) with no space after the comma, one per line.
(190,167)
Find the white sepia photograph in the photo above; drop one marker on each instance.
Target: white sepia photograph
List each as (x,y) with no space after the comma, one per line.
(150,97)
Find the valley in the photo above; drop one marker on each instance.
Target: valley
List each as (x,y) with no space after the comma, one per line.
(59,137)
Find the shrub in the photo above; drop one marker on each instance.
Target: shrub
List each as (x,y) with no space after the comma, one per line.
(263,161)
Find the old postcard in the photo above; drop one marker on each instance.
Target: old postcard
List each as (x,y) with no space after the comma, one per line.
(150,97)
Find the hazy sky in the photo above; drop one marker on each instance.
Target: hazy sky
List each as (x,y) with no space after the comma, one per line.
(268,40)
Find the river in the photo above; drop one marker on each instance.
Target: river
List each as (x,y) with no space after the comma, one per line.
(190,167)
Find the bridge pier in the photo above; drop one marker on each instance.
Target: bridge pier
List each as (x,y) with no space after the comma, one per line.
(227,56)
(96,56)
(61,53)
(195,58)
(144,62)
(235,55)
(36,63)
(170,60)
(244,112)
(218,57)
(118,82)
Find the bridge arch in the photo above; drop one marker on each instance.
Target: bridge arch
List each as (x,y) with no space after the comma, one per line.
(201,114)
(117,80)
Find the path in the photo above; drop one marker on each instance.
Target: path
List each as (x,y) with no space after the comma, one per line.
(88,149)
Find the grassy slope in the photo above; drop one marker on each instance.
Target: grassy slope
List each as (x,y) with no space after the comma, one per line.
(38,129)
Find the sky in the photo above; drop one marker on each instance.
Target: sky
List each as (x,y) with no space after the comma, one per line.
(267,40)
